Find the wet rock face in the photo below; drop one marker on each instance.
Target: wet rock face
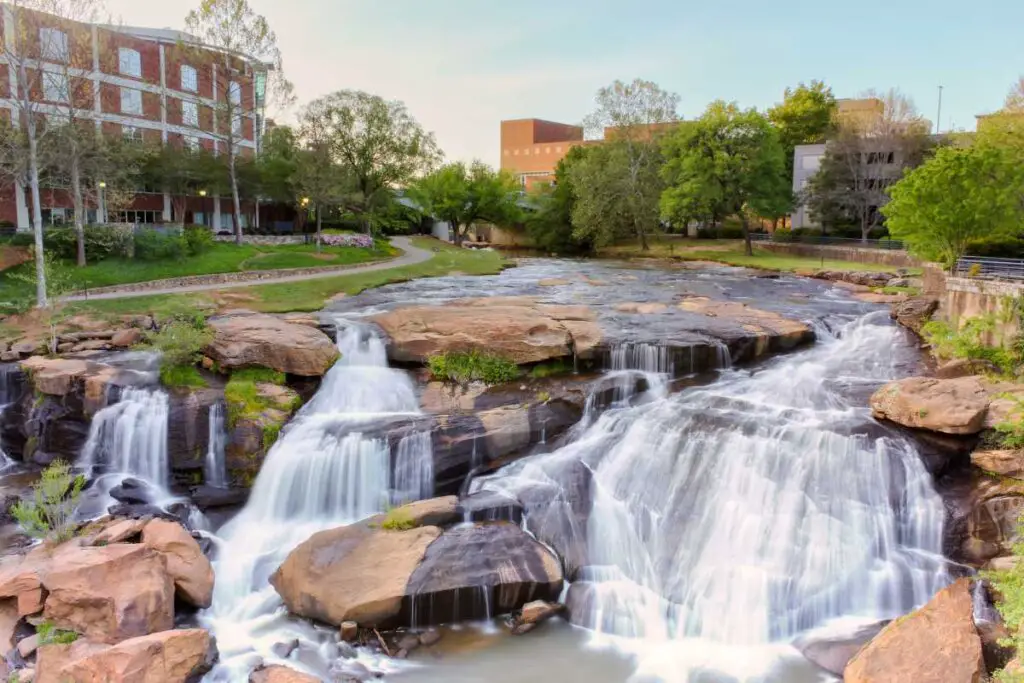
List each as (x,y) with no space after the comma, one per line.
(833,653)
(56,428)
(915,312)
(937,643)
(478,571)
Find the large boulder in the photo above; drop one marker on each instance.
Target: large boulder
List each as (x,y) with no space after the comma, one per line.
(388,571)
(187,565)
(167,657)
(479,571)
(62,376)
(517,328)
(354,573)
(1007,462)
(913,313)
(950,406)
(748,332)
(935,644)
(244,338)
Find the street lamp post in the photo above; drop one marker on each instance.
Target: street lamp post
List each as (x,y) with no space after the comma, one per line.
(103,202)
(202,205)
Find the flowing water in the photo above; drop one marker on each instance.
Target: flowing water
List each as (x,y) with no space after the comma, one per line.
(326,470)
(727,519)
(8,395)
(215,467)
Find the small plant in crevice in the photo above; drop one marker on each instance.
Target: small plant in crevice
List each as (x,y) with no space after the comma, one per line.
(970,342)
(48,514)
(398,519)
(1009,586)
(51,635)
(474,366)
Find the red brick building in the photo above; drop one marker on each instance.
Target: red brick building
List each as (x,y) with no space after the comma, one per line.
(157,85)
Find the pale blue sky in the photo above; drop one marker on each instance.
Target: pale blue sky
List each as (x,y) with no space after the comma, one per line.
(463,65)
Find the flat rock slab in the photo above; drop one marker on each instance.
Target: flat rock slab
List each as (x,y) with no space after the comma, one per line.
(244,338)
(949,406)
(517,328)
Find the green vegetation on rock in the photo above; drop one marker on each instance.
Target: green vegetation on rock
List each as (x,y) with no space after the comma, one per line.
(474,366)
(181,377)
(398,519)
(48,514)
(1009,585)
(49,634)
(245,401)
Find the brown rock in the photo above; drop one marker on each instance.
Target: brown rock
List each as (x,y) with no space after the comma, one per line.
(950,406)
(349,631)
(280,674)
(166,657)
(9,618)
(553,282)
(127,337)
(27,646)
(109,593)
(188,567)
(246,338)
(964,367)
(642,308)
(770,330)
(91,345)
(516,328)
(352,573)
(914,312)
(431,512)
(1004,462)
(539,611)
(19,580)
(935,644)
(54,376)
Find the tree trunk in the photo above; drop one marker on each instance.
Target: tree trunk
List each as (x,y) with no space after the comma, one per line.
(237,205)
(458,235)
(76,196)
(37,218)
(865,228)
(319,226)
(644,246)
(748,249)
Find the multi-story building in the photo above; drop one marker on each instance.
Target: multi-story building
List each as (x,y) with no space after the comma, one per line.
(153,85)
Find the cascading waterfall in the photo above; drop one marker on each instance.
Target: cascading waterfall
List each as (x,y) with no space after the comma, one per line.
(7,397)
(325,471)
(130,437)
(215,469)
(727,519)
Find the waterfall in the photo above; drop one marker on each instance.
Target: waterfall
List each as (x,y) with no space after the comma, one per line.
(130,437)
(331,466)
(214,469)
(727,519)
(8,395)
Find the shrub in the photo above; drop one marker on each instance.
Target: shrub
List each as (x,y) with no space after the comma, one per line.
(180,343)
(969,342)
(730,232)
(398,519)
(181,376)
(347,240)
(1005,247)
(198,239)
(1009,586)
(555,367)
(101,242)
(151,245)
(471,367)
(55,497)
(51,635)
(782,235)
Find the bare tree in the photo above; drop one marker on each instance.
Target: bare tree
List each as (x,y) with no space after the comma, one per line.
(870,152)
(248,53)
(1015,98)
(630,116)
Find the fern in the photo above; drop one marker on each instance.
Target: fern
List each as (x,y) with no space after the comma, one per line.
(48,514)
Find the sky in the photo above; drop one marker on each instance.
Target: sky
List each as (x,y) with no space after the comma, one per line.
(462,66)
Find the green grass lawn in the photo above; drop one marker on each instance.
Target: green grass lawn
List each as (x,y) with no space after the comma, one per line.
(220,258)
(311,295)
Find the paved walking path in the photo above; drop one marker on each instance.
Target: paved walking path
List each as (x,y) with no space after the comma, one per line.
(412,256)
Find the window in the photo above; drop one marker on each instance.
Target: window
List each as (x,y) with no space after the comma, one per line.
(235,94)
(130,62)
(192,143)
(131,133)
(131,101)
(55,86)
(810,163)
(190,113)
(189,78)
(54,217)
(53,44)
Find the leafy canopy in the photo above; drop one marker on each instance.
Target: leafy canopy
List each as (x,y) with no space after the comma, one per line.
(461,195)
(958,195)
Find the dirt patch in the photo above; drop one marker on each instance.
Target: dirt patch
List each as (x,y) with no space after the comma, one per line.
(232,299)
(14,256)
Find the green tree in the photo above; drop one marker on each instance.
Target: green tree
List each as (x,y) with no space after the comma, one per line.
(461,195)
(958,195)
(550,222)
(378,145)
(728,161)
(806,116)
(235,29)
(631,116)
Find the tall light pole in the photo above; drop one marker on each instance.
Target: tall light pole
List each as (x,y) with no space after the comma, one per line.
(202,205)
(103,201)
(938,118)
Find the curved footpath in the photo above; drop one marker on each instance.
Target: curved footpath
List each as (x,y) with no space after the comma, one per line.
(412,256)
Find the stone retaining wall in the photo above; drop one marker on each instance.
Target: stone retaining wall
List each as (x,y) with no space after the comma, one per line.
(896,259)
(967,297)
(264,240)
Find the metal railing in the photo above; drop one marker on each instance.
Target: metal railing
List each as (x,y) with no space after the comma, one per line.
(984,266)
(827,240)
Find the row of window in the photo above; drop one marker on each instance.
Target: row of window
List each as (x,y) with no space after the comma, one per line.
(536,150)
(54,47)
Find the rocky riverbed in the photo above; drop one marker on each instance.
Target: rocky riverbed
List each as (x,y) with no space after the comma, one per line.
(687,469)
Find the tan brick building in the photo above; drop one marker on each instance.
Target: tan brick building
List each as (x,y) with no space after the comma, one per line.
(156,85)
